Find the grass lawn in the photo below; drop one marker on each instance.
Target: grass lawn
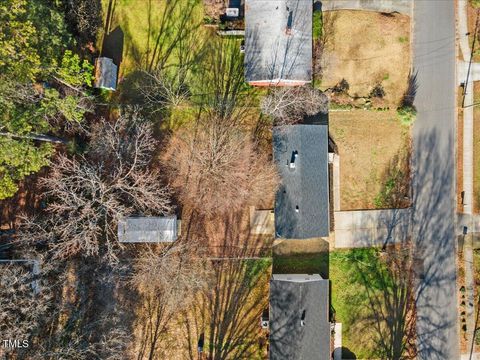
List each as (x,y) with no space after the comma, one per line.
(367,48)
(372,146)
(350,303)
(140,22)
(472,7)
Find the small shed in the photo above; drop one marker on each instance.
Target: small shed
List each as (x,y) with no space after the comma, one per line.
(148,229)
(105,74)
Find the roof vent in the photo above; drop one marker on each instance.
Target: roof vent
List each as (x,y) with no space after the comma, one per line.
(293,158)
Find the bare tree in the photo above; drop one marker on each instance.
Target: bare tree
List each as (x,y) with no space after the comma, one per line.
(109,343)
(23,309)
(85,17)
(161,90)
(88,195)
(216,168)
(167,280)
(289,105)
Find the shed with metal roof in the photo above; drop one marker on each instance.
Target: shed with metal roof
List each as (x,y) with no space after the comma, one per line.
(105,74)
(148,229)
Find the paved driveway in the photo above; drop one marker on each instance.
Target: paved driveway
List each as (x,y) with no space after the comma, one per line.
(434,179)
(368,228)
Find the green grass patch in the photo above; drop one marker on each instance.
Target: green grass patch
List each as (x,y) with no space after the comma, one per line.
(142,22)
(406,115)
(349,297)
(317,25)
(475,3)
(350,300)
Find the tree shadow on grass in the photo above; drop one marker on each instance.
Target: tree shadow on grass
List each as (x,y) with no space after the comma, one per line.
(228,313)
(410,286)
(396,182)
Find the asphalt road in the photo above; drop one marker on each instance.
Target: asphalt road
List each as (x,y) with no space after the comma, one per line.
(434,179)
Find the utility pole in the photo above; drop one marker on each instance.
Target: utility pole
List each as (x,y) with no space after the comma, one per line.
(470,61)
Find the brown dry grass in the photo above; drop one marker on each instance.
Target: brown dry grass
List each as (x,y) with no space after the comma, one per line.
(367,142)
(366,49)
(471,21)
(476,149)
(214,8)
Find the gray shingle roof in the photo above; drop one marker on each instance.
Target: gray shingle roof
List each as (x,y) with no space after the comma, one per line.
(293,298)
(147,229)
(278,41)
(302,201)
(105,74)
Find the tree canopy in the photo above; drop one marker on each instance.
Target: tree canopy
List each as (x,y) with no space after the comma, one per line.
(40,86)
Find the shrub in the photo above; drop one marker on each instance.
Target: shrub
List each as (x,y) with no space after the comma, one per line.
(377,91)
(341,87)
(406,114)
(318,25)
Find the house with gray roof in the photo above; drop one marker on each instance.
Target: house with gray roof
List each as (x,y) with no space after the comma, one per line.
(105,74)
(278,42)
(148,229)
(302,201)
(299,317)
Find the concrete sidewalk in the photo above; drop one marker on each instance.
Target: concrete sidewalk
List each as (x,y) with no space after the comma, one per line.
(366,228)
(462,69)
(387,6)
(467,73)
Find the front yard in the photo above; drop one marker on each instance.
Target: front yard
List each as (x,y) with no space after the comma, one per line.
(374,158)
(367,49)
(362,289)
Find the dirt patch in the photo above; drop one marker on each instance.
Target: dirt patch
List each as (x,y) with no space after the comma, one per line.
(369,143)
(214,9)
(368,49)
(304,246)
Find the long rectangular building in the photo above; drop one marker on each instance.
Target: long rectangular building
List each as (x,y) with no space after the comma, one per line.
(278,42)
(302,202)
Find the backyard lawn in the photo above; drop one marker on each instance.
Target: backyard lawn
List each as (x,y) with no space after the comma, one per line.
(151,27)
(367,49)
(374,159)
